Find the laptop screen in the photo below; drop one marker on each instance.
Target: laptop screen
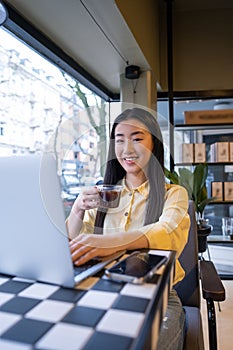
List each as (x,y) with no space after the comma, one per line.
(33,237)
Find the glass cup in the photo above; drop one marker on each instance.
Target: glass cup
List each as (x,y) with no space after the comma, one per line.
(109,195)
(227,226)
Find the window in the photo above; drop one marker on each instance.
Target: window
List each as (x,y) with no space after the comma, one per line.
(42,109)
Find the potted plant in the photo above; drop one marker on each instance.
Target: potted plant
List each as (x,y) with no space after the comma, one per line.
(195,184)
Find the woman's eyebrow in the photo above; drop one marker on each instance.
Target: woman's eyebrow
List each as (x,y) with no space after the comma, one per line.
(132,134)
(137,132)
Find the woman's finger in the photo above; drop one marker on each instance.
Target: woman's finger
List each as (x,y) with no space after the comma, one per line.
(92,253)
(79,252)
(87,199)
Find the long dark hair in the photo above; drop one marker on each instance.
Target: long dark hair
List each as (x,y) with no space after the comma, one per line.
(115,172)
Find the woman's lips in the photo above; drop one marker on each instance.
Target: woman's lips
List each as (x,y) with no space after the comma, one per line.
(130,160)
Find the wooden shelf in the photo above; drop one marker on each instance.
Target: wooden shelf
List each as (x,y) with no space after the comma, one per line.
(220,202)
(202,126)
(208,163)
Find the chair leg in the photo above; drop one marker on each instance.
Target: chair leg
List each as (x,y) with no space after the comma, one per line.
(212,324)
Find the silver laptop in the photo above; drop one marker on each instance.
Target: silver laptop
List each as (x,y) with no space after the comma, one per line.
(33,237)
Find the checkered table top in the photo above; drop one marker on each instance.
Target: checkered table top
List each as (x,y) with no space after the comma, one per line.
(97,314)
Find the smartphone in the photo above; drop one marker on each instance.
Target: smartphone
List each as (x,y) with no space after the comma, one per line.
(138,267)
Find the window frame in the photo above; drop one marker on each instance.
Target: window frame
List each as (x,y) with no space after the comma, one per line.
(34,38)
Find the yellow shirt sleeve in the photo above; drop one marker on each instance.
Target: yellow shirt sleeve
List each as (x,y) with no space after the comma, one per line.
(89,221)
(171,231)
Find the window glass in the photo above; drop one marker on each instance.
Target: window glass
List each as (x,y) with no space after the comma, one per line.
(42,108)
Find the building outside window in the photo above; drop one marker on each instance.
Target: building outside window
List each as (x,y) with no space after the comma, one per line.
(41,110)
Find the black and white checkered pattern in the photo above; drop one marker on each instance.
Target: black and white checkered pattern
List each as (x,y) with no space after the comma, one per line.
(98,314)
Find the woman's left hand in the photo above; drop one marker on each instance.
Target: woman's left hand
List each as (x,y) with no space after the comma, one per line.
(88,246)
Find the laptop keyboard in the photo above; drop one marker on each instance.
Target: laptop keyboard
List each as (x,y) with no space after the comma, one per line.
(84,267)
(93,266)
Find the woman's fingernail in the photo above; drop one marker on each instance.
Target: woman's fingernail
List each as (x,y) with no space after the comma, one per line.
(77,262)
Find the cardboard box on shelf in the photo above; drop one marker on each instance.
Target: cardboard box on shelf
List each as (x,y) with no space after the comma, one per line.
(228,191)
(224,116)
(217,190)
(187,153)
(199,152)
(231,151)
(219,152)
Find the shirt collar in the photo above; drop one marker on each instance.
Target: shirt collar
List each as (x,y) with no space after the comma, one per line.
(143,189)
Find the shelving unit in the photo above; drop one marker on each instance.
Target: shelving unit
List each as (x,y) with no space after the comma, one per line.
(208,133)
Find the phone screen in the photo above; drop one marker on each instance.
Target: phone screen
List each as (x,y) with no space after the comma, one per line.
(138,264)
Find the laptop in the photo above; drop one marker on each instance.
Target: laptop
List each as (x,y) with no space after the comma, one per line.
(33,237)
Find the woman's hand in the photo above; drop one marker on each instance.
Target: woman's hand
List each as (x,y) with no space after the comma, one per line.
(88,246)
(87,199)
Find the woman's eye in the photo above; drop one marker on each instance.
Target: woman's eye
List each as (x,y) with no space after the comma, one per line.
(119,141)
(137,140)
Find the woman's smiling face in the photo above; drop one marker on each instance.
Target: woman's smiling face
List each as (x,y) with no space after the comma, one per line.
(133,146)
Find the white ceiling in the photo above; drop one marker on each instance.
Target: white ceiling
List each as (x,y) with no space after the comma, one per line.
(92,32)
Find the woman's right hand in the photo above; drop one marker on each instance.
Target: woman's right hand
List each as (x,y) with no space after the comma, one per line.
(87,199)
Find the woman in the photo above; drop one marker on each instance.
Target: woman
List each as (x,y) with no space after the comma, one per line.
(151,214)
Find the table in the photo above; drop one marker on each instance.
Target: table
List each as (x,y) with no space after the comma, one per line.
(225,270)
(97,314)
(219,239)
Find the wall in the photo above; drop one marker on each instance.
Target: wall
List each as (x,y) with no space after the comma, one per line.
(202,45)
(203,49)
(202,41)
(142,19)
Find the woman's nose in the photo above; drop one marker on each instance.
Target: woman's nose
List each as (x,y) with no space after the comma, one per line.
(128,146)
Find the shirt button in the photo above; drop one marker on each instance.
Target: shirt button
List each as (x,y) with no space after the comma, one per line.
(130,194)
(126,214)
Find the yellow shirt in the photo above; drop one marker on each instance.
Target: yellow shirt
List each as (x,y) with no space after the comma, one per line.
(170,232)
